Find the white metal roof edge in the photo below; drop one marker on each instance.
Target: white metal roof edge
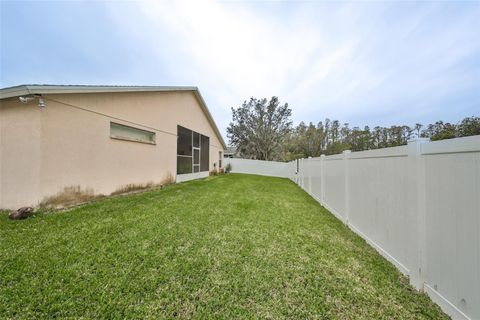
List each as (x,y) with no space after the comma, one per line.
(209,117)
(62,89)
(59,89)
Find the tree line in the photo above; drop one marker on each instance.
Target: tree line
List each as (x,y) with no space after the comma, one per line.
(329,137)
(262,129)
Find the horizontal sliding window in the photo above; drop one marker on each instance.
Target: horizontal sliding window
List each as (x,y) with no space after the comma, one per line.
(192,151)
(120,131)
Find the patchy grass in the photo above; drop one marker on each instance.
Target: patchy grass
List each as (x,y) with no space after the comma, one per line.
(232,246)
(69,196)
(128,188)
(133,187)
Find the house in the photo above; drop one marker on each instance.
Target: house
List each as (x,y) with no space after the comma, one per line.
(101,138)
(231,152)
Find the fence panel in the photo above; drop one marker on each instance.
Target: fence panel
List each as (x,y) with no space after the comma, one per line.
(334,192)
(418,205)
(316,179)
(452,178)
(260,167)
(377,186)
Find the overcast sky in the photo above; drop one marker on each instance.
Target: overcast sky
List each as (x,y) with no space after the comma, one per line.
(366,63)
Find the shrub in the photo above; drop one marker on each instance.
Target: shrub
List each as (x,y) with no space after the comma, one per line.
(169,179)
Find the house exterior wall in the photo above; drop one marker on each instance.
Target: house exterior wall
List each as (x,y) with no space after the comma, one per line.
(68,143)
(19,154)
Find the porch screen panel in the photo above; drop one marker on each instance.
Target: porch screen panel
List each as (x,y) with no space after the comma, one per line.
(196,139)
(192,151)
(204,153)
(184,141)
(184,165)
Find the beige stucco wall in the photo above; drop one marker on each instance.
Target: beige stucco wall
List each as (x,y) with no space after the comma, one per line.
(43,151)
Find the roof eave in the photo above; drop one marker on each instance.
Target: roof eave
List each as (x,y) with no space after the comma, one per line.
(209,117)
(21,90)
(54,89)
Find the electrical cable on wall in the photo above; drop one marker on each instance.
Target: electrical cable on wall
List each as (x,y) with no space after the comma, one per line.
(115,118)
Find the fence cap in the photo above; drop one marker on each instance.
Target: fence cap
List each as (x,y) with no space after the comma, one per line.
(419,140)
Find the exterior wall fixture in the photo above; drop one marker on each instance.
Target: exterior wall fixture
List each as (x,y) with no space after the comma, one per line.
(26,99)
(41,103)
(31,97)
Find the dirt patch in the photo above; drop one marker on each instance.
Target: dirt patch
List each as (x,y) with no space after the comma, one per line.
(133,187)
(70,196)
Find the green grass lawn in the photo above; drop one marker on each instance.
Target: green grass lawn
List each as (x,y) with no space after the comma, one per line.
(233,246)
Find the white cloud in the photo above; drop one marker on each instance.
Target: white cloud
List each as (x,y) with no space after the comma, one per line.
(347,61)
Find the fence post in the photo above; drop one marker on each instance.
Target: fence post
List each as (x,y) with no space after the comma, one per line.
(293,170)
(299,177)
(296,171)
(304,173)
(309,160)
(417,211)
(300,172)
(346,155)
(322,180)
(304,176)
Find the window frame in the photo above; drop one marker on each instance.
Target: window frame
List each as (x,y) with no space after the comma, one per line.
(123,138)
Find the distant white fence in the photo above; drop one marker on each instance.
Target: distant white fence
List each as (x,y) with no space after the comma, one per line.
(260,167)
(418,205)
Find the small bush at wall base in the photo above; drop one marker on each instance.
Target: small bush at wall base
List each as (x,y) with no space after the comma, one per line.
(169,179)
(217,172)
(75,195)
(133,187)
(228,168)
(69,196)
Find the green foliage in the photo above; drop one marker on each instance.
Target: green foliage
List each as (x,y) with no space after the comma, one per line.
(259,127)
(262,130)
(329,138)
(440,131)
(233,246)
(469,127)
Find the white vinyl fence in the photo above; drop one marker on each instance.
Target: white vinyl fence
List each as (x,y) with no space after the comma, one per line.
(418,205)
(260,167)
